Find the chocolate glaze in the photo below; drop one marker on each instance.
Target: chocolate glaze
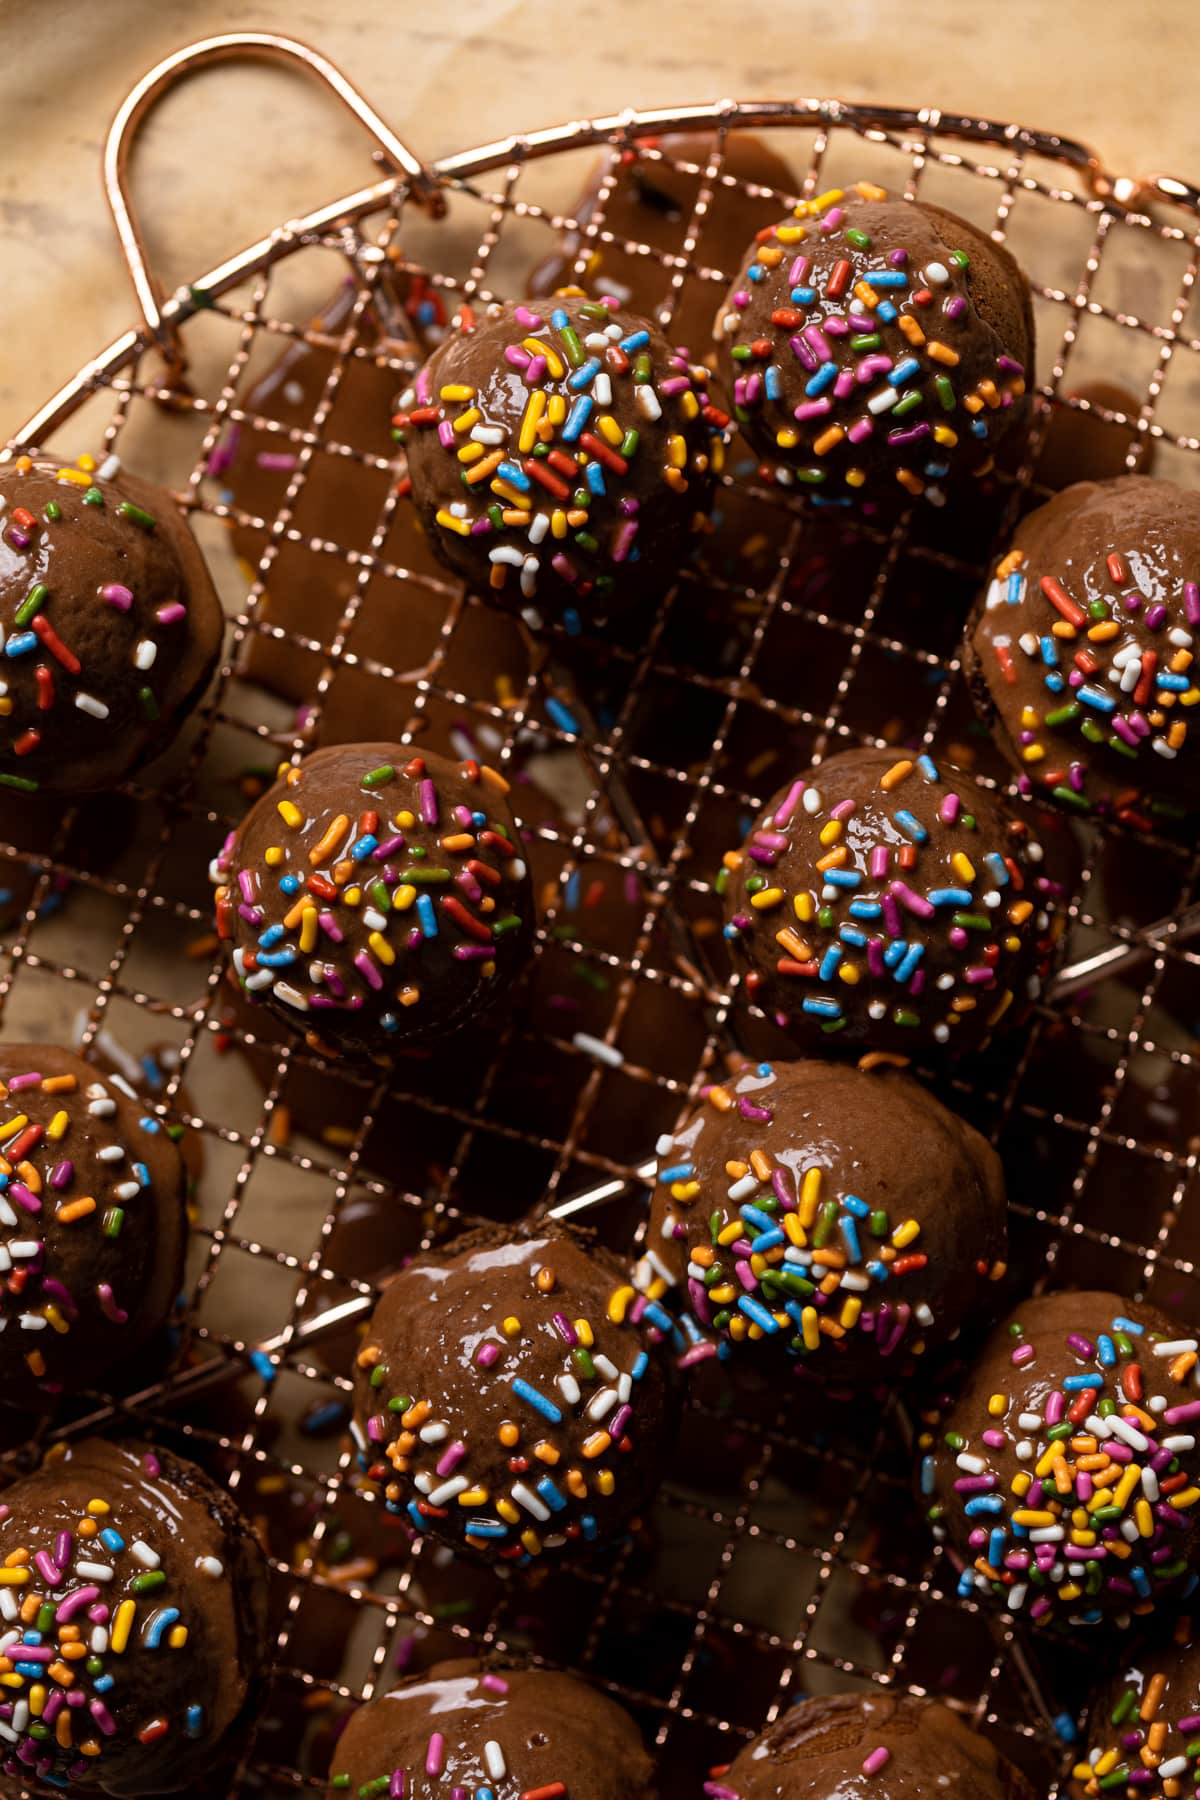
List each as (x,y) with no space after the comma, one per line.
(627,467)
(928,317)
(652,204)
(82,1289)
(998,1430)
(557,1439)
(172,1521)
(1106,574)
(410,959)
(511,1732)
(89,589)
(979,943)
(886,1288)
(816,1751)
(1134,1723)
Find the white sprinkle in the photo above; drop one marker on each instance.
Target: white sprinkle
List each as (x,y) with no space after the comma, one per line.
(32,1322)
(506,554)
(493,1756)
(1182,1440)
(811,800)
(88,703)
(374,918)
(1163,749)
(605,1366)
(262,978)
(7,1215)
(149,1559)
(605,1053)
(109,467)
(1176,1347)
(128,1190)
(1150,1485)
(877,1009)
(288,994)
(436,1433)
(457,1484)
(539,525)
(95,1571)
(974,1465)
(1024,1450)
(524,1496)
(742,1190)
(24,1247)
(665,1145)
(855,1282)
(210,1566)
(647,402)
(144,655)
(601,1403)
(602,390)
(936,274)
(487,434)
(98,1642)
(293,393)
(1179,637)
(883,401)
(8,1604)
(1174,1765)
(1047,1534)
(570,1390)
(111,1153)
(102,1109)
(1016,1597)
(529,575)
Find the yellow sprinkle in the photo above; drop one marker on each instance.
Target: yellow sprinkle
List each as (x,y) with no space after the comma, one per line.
(810,1327)
(13,1577)
(535,406)
(810,1194)
(997,1405)
(766,898)
(619,1303)
(511,1326)
(461,526)
(475,1496)
(308,929)
(290,813)
(508,1512)
(963,867)
(905,1233)
(178,1637)
(464,421)
(122,1626)
(403,896)
(456,390)
(58,1125)
(383,950)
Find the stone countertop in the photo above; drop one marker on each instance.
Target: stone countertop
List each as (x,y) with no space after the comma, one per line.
(241,148)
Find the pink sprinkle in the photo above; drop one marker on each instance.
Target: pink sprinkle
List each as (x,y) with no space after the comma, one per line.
(330,927)
(844,385)
(860,430)
(516,357)
(797,272)
(1191,601)
(1022,1354)
(879,862)
(171,613)
(368,971)
(108,1306)
(623,541)
(429,805)
(21,1194)
(815,338)
(486,1355)
(19,540)
(434,1755)
(995,1440)
(877,1760)
(48,1569)
(61,1173)
(674,384)
(275,459)
(451,1458)
(73,1602)
(445,433)
(530,320)
(246,884)
(948,811)
(495,1684)
(535,372)
(396,1785)
(833,218)
(791,801)
(32,1079)
(812,409)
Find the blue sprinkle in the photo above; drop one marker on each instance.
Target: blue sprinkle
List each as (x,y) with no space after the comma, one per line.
(855,1206)
(1016,589)
(761,1221)
(865,909)
(830,961)
(149,1124)
(414,1513)
(158,1625)
(262,1365)
(843,878)
(640,1366)
(584,377)
(996,1542)
(539,1402)
(112,1540)
(984,1503)
(194,1723)
(103,1684)
(1049,652)
(757,1313)
(17,646)
(577,418)
(1176,684)
(928,767)
(276,959)
(900,374)
(997,868)
(822,1009)
(289,884)
(588,1527)
(658,1315)
(1107,1351)
(767,1240)
(571,618)
(756,272)
(850,1235)
(966,1585)
(850,934)
(1096,697)
(142,1173)
(426,916)
(550,1494)
(485,1528)
(895,950)
(270,936)
(803,296)
(150,1069)
(363,846)
(886,312)
(978,428)
(1129,1325)
(677,1172)
(635,341)
(885,278)
(595,478)
(825,376)
(558,319)
(1075,1384)
(1055,683)
(949,896)
(908,965)
(1064,1724)
(562,715)
(911,826)
(516,476)
(772,386)
(1140,1579)
(928,1474)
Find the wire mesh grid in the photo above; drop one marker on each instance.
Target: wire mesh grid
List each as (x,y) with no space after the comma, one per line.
(786,1554)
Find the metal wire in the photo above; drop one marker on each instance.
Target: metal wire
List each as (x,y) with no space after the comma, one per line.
(786,1554)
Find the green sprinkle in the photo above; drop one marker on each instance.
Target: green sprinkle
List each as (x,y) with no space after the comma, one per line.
(52,512)
(859,239)
(148,703)
(903,1015)
(586,541)
(907,403)
(582,1358)
(1125,1706)
(45,1617)
(379,894)
(740,353)
(878,1222)
(810,477)
(944,388)
(425,877)
(93,497)
(146,1584)
(136,515)
(962,261)
(1062,715)
(379,777)
(112,1221)
(31,604)
(629,443)
(866,340)
(571,344)
(972,921)
(1070,798)
(501,927)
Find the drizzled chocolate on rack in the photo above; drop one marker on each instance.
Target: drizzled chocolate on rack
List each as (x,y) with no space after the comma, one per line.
(511,1396)
(877,350)
(1082,651)
(111,624)
(881,900)
(559,453)
(888,1746)
(92,1222)
(1063,1476)
(374,898)
(132,1621)
(470,1728)
(842,1215)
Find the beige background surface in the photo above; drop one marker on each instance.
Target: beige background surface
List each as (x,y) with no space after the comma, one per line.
(243,148)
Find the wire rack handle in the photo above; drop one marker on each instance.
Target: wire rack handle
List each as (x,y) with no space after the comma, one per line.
(234,45)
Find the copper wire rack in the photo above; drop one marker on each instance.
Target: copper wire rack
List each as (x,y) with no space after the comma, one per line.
(786,1554)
